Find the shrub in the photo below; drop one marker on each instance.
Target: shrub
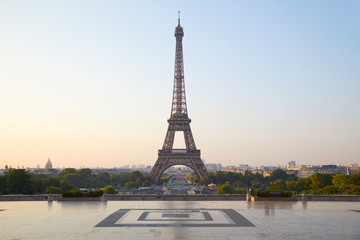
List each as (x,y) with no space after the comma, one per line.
(239,191)
(110,190)
(272,194)
(95,193)
(261,193)
(54,190)
(77,193)
(72,193)
(225,189)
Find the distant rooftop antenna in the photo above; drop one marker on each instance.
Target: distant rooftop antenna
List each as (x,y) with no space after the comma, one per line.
(179,18)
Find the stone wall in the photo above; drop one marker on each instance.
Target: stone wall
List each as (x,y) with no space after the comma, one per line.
(20,197)
(315,197)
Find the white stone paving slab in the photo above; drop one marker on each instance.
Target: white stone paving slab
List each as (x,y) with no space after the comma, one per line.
(272,220)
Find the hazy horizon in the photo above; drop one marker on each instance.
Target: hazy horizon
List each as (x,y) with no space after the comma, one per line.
(89,83)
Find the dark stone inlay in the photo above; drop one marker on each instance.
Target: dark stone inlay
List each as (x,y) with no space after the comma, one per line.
(207,216)
(239,220)
(143,216)
(175,215)
(112,219)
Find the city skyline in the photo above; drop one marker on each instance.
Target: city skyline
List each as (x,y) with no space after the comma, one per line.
(90,83)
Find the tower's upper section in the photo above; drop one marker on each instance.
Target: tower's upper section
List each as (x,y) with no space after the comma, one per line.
(178,107)
(179,32)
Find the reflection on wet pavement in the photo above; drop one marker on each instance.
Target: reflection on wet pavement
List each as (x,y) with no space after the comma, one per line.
(269,220)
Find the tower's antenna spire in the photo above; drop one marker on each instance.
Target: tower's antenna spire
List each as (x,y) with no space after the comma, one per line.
(179,18)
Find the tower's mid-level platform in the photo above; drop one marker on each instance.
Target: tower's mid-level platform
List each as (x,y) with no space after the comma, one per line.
(173,152)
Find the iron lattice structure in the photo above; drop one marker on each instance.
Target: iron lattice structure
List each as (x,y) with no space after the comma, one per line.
(178,121)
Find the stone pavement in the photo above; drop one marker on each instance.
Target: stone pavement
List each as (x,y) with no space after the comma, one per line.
(179,220)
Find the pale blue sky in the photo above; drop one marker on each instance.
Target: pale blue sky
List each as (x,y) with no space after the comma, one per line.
(89,83)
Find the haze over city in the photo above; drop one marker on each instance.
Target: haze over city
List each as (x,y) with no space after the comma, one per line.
(89,83)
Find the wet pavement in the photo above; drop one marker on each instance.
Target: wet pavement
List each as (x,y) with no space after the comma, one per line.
(179,220)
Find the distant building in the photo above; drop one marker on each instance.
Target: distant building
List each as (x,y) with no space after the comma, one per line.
(353,169)
(305,172)
(213,167)
(267,168)
(293,169)
(265,172)
(244,167)
(48,165)
(291,164)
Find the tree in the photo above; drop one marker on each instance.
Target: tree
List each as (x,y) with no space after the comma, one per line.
(220,177)
(165,178)
(281,174)
(278,185)
(130,185)
(19,181)
(73,179)
(339,180)
(355,179)
(40,176)
(102,179)
(205,181)
(43,183)
(351,189)
(110,190)
(3,185)
(86,177)
(67,171)
(291,186)
(278,174)
(248,177)
(193,177)
(329,190)
(320,180)
(66,186)
(303,184)
(219,190)
(119,179)
(147,182)
(225,189)
(133,176)
(54,190)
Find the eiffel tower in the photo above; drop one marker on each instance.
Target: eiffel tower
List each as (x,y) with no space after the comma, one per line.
(178,121)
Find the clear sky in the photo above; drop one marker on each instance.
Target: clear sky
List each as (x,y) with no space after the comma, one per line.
(89,83)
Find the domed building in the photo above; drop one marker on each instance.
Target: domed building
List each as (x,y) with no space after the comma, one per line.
(48,165)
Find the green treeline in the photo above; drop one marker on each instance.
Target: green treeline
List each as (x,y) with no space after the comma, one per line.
(246,180)
(19,181)
(279,180)
(320,183)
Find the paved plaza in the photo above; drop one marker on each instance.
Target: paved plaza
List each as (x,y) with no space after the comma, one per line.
(179,220)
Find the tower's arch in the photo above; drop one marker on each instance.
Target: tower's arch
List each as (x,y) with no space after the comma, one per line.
(192,164)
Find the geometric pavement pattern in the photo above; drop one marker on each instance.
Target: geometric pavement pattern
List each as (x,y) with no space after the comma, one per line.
(175,218)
